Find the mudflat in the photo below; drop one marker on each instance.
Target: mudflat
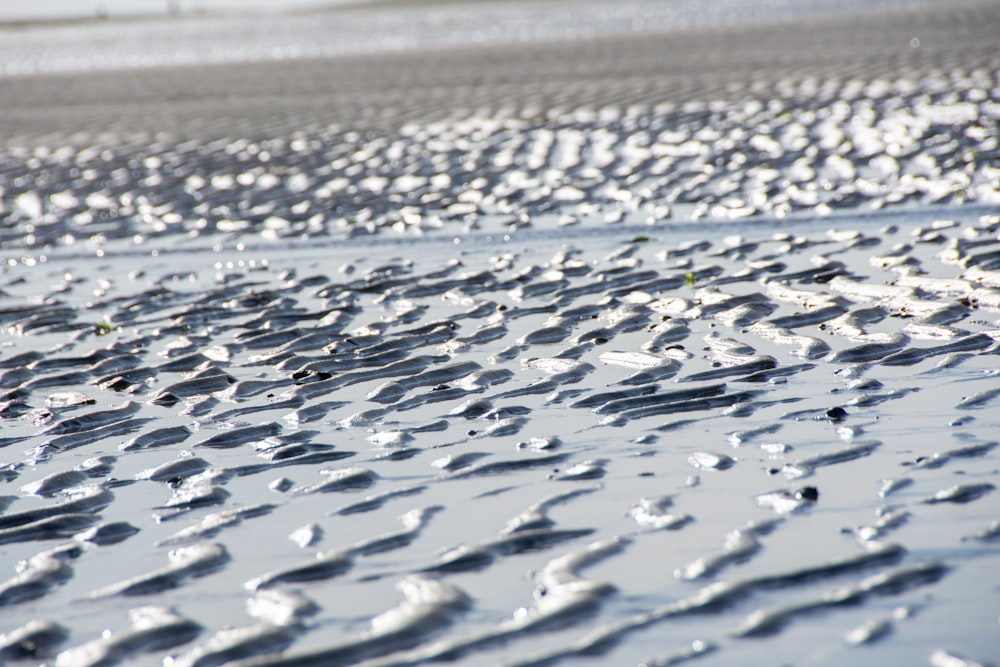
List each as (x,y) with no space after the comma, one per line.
(496,332)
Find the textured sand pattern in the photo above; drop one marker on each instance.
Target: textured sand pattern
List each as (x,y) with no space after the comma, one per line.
(831,115)
(421,382)
(558,409)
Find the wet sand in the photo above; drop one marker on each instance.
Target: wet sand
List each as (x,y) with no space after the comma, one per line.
(616,350)
(780,59)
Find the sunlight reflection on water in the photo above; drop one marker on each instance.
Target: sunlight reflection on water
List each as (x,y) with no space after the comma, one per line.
(50,9)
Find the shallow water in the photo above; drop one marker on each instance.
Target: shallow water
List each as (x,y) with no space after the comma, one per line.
(636,459)
(307,30)
(481,390)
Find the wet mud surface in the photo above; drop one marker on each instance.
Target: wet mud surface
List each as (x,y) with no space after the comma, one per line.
(511,388)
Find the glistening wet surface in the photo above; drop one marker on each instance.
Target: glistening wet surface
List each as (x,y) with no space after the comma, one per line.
(510,388)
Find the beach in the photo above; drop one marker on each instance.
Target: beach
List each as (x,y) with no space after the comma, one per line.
(502,333)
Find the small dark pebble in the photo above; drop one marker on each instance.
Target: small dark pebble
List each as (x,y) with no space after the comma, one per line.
(810,493)
(837,414)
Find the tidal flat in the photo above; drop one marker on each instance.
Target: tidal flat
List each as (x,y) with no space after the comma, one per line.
(603,347)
